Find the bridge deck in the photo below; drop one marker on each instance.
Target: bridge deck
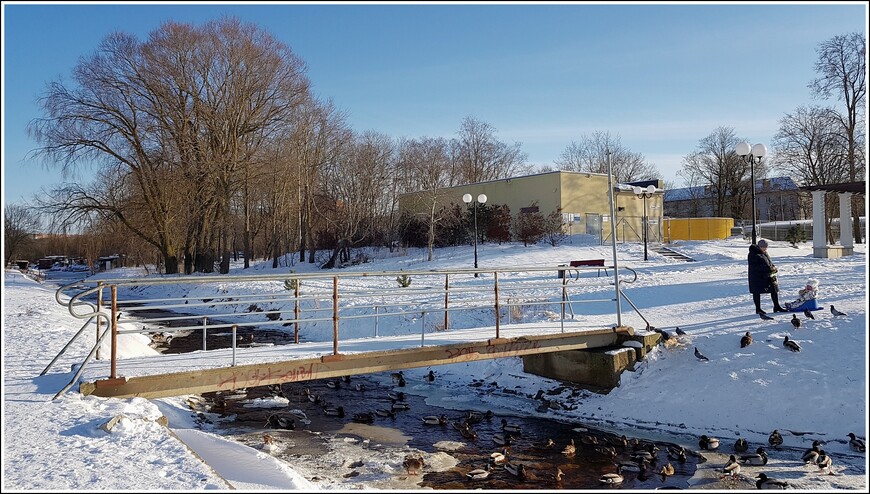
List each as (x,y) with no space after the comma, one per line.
(212,370)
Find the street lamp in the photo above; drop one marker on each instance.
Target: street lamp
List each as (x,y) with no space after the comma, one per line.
(751,153)
(644,194)
(482,200)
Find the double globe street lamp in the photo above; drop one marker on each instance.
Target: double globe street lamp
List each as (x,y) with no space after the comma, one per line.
(644,194)
(481,198)
(751,153)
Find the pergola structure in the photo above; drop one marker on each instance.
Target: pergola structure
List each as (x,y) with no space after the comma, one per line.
(845,191)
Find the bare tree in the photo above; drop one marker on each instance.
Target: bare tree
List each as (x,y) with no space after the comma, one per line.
(20,224)
(427,160)
(812,147)
(589,154)
(715,164)
(480,156)
(842,68)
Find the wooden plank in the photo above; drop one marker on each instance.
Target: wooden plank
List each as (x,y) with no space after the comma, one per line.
(242,376)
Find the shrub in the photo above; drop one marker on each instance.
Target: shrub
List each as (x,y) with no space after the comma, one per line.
(795,235)
(403,280)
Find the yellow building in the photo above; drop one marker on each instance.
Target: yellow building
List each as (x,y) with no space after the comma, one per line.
(582,198)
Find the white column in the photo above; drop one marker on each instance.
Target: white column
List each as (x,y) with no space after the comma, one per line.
(846,239)
(819,242)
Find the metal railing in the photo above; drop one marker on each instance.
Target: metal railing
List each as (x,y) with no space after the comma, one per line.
(306,299)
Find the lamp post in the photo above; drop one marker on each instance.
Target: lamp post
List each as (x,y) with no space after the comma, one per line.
(751,153)
(644,194)
(481,198)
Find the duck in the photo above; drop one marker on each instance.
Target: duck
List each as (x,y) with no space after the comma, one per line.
(757,459)
(515,469)
(811,455)
(400,405)
(746,340)
(589,440)
(824,462)
(731,468)
(611,478)
(741,446)
(480,473)
(360,387)
(465,430)
(363,418)
(345,379)
(570,449)
(667,471)
(502,439)
(795,321)
(401,382)
(413,464)
(268,443)
(430,377)
(395,376)
(282,422)
(381,412)
(333,384)
(628,466)
(856,443)
(499,457)
(334,412)
(548,445)
(677,453)
(557,475)
(618,442)
(608,451)
(775,439)
(475,417)
(708,442)
(791,344)
(764,482)
(435,420)
(643,455)
(512,428)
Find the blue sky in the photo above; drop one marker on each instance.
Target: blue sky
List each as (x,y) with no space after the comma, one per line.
(660,76)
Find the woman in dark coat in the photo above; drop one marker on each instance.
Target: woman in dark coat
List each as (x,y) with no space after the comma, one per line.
(762,277)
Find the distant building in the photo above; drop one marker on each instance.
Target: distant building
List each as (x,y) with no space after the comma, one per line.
(777,199)
(582,198)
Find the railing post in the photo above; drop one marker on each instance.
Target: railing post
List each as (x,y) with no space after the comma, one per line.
(99,306)
(296,313)
(423,330)
(564,300)
(335,315)
(204,324)
(376,321)
(113,372)
(497,314)
(446,291)
(235,327)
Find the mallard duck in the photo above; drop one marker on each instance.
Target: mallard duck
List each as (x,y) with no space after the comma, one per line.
(480,473)
(611,478)
(811,455)
(282,422)
(732,467)
(746,340)
(360,387)
(345,379)
(334,411)
(516,469)
(775,439)
(363,418)
(268,443)
(512,428)
(708,442)
(400,405)
(628,466)
(413,464)
(766,483)
(824,462)
(380,412)
(677,453)
(474,417)
(741,446)
(795,321)
(589,439)
(791,345)
(502,439)
(569,450)
(758,459)
(548,445)
(557,476)
(618,442)
(333,384)
(667,471)
(430,377)
(465,430)
(435,420)
(396,396)
(395,376)
(606,451)
(856,443)
(643,455)
(499,457)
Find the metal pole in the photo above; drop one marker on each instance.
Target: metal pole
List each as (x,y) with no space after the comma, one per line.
(114,365)
(234,344)
(497,315)
(475,238)
(204,325)
(423,330)
(446,291)
(376,321)
(645,226)
(99,306)
(335,315)
(296,314)
(613,241)
(752,175)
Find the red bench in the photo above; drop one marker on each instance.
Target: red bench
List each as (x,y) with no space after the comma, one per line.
(584,262)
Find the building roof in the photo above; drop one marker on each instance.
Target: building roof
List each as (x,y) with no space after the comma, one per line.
(853,187)
(700,192)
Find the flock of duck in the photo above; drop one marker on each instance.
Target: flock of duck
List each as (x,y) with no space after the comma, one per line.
(633,457)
